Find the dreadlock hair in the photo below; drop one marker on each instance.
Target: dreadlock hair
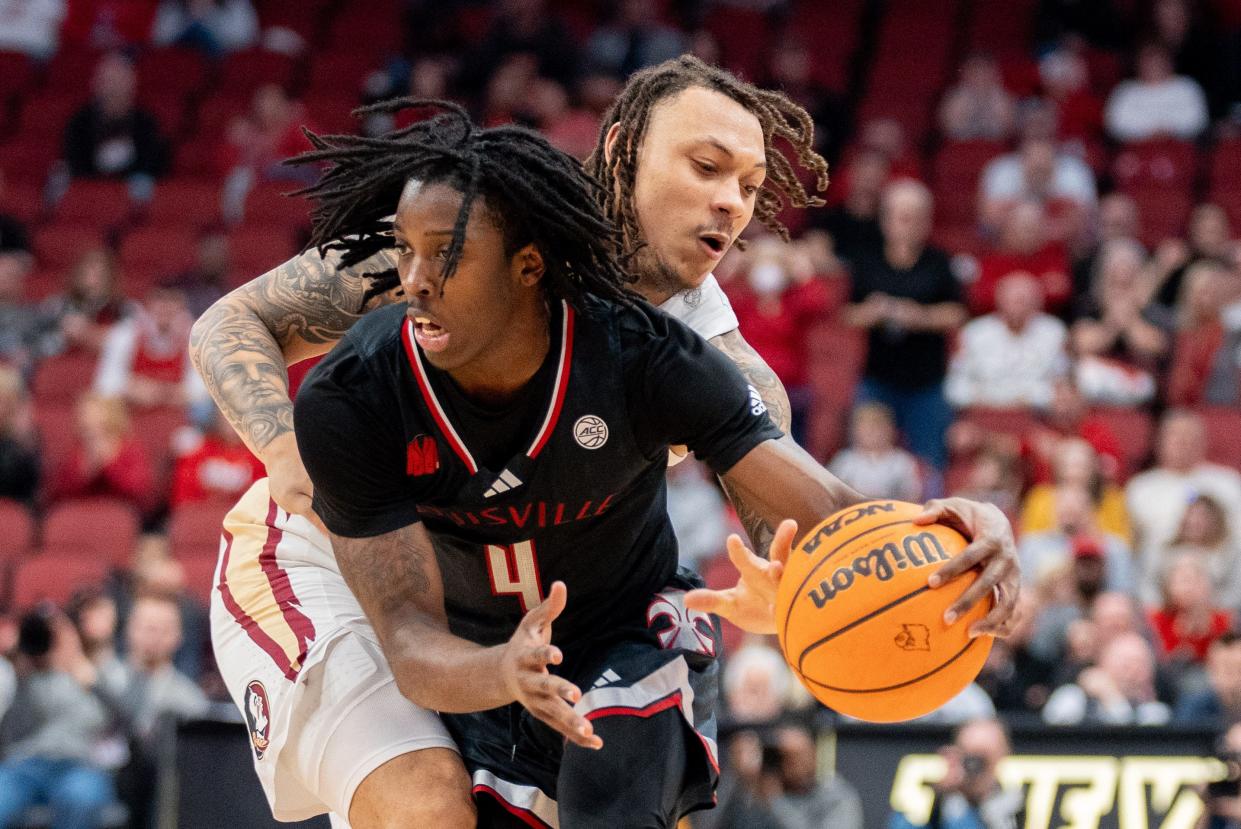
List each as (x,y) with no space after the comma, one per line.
(778,116)
(532,191)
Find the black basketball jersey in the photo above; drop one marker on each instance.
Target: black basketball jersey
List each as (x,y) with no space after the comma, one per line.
(389,440)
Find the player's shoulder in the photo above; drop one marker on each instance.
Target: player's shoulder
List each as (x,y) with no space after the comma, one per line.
(377,332)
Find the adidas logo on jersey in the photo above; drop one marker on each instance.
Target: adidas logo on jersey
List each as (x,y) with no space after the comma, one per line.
(757,406)
(609,676)
(504,483)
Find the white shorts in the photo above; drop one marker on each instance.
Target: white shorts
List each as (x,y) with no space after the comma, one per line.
(304,666)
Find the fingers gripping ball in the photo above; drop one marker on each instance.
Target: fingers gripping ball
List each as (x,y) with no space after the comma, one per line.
(860,627)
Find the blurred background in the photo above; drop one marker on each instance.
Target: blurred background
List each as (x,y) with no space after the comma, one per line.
(1025,288)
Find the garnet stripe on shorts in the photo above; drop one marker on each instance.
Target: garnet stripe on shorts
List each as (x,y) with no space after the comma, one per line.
(282,589)
(247,623)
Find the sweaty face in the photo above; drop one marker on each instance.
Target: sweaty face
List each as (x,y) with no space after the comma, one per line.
(456,319)
(700,166)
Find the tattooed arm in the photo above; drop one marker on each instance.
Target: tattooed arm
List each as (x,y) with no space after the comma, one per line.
(243,344)
(396,578)
(769,387)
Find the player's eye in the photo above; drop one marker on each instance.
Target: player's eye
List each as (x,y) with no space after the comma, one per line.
(402,249)
(749,189)
(442,254)
(706,167)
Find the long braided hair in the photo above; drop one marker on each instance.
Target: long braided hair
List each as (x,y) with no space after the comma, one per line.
(532,191)
(779,117)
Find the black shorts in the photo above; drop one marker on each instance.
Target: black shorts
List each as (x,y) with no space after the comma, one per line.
(650,691)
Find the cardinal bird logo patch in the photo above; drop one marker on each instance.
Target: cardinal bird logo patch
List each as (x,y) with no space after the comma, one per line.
(677,626)
(422,456)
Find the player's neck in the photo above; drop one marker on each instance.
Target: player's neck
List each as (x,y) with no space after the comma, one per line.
(502,371)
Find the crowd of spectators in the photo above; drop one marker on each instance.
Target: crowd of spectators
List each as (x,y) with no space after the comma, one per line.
(995,332)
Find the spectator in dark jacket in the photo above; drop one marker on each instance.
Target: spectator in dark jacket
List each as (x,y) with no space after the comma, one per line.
(19,445)
(110,137)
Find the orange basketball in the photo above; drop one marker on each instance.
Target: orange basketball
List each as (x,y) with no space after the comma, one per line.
(860,627)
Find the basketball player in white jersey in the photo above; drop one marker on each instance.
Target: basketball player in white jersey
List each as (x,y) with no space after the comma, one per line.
(686,154)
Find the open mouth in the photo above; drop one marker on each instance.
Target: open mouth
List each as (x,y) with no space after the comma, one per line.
(430,335)
(715,243)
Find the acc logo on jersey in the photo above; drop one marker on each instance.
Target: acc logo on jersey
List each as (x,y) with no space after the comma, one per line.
(590,432)
(679,627)
(757,406)
(258,717)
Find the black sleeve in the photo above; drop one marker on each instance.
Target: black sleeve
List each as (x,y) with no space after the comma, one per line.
(353,455)
(689,393)
(859,281)
(79,148)
(949,286)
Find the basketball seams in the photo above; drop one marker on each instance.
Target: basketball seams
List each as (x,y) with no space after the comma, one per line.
(899,685)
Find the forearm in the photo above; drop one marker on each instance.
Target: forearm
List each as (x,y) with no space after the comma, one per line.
(776,399)
(940,318)
(244,370)
(779,480)
(396,579)
(244,343)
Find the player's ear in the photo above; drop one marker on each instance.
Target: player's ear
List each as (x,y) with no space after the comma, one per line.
(609,141)
(528,266)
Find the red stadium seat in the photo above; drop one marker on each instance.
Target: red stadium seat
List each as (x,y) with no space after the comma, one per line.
(54,577)
(267,204)
(958,164)
(1014,422)
(194,528)
(1225,165)
(259,248)
(200,574)
(171,70)
(1223,435)
(28,159)
(103,529)
(22,199)
(186,202)
(246,71)
(1164,213)
(155,428)
(71,70)
(19,526)
(16,74)
(56,424)
(1159,163)
(65,377)
(1134,430)
(342,72)
(58,246)
(169,248)
(95,203)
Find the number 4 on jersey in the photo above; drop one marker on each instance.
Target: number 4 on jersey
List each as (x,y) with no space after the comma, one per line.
(514,571)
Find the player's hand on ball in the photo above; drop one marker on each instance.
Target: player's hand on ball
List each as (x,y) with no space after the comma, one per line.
(287,479)
(751,605)
(523,668)
(992,550)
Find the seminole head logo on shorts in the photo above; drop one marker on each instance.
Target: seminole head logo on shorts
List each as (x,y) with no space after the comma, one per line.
(258,717)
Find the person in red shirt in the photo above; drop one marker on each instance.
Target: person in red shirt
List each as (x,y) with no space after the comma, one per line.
(108,461)
(220,467)
(1189,620)
(1024,246)
(1068,417)
(778,299)
(1200,333)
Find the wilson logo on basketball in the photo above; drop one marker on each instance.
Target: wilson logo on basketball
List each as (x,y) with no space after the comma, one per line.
(590,431)
(828,530)
(919,550)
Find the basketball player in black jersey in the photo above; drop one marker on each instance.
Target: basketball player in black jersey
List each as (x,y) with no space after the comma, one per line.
(489,459)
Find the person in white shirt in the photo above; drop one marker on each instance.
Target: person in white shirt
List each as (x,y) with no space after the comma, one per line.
(1118,690)
(1037,170)
(1157,102)
(31,27)
(1157,498)
(1009,358)
(873,464)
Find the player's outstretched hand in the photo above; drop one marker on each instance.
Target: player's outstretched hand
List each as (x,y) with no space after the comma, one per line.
(751,604)
(288,480)
(524,671)
(992,549)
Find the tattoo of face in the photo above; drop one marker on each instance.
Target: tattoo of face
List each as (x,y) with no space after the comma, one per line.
(239,344)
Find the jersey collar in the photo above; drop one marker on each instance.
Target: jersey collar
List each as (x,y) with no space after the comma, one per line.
(555,404)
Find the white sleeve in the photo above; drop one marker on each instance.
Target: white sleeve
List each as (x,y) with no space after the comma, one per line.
(705,309)
(116,359)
